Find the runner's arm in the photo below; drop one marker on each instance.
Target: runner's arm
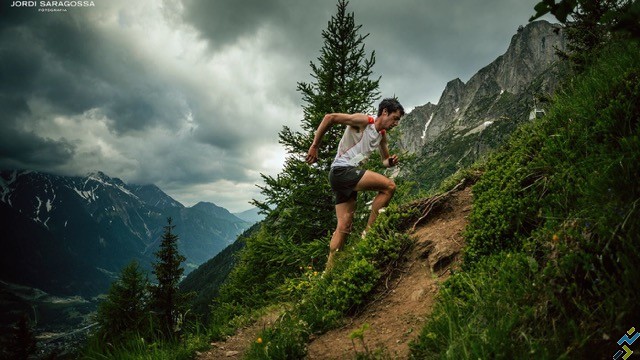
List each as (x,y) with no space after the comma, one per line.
(357,120)
(387,160)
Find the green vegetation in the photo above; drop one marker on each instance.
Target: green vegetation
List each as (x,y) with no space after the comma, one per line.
(124,312)
(320,301)
(552,240)
(206,280)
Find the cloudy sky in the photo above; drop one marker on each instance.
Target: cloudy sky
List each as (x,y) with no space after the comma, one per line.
(190,94)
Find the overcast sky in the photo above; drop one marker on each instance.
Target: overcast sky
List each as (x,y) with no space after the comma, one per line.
(190,95)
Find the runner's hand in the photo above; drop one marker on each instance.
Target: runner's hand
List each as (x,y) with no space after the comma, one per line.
(392,161)
(312,155)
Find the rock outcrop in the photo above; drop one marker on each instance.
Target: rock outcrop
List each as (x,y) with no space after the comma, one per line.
(503,90)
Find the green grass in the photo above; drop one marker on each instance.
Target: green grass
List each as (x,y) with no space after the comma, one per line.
(138,348)
(493,302)
(320,301)
(552,241)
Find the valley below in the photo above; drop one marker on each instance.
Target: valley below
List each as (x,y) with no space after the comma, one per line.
(60,324)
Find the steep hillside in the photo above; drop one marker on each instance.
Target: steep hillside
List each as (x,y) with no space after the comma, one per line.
(206,280)
(551,250)
(549,266)
(397,309)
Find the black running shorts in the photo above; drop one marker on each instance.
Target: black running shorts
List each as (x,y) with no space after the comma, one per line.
(343,181)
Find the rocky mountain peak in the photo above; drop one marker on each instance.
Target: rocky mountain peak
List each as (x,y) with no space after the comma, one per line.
(531,51)
(452,91)
(466,106)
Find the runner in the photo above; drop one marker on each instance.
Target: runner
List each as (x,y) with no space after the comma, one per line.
(362,136)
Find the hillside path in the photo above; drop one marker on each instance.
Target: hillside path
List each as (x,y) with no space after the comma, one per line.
(399,309)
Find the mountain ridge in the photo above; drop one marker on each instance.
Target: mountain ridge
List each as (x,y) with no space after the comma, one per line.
(463,106)
(102,220)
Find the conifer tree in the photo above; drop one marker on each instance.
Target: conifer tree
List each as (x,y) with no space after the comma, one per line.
(299,201)
(21,342)
(167,301)
(126,307)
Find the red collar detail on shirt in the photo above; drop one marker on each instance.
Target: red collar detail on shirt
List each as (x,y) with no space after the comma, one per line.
(372,120)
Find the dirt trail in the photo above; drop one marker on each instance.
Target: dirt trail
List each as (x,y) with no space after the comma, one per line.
(235,346)
(398,313)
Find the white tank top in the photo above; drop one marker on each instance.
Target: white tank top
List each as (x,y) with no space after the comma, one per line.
(356,146)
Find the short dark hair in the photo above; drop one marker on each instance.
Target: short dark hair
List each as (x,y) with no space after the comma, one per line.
(392,105)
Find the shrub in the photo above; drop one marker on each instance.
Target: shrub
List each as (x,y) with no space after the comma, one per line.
(561,197)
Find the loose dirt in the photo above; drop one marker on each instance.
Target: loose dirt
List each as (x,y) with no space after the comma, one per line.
(235,346)
(401,305)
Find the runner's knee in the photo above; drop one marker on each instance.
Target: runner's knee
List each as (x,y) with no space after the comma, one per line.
(344,227)
(391,187)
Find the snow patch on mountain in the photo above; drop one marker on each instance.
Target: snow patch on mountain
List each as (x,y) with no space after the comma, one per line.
(426,126)
(88,195)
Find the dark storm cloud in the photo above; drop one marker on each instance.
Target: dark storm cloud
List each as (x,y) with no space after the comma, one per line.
(229,19)
(420,45)
(223,22)
(25,150)
(64,61)
(190,94)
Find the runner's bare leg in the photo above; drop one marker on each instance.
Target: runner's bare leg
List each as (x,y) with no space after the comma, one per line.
(385,187)
(344,213)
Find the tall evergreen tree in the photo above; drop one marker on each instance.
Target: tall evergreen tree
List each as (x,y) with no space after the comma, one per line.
(299,201)
(21,343)
(125,309)
(167,301)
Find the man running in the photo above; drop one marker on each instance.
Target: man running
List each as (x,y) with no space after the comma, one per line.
(362,136)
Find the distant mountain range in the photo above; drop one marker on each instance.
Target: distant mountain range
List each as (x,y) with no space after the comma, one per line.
(73,235)
(251,215)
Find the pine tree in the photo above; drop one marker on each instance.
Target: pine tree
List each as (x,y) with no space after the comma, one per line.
(21,342)
(167,301)
(125,310)
(299,201)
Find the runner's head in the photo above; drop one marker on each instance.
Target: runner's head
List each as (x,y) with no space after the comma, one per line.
(389,113)
(391,105)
